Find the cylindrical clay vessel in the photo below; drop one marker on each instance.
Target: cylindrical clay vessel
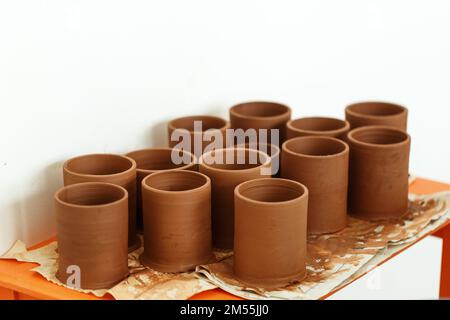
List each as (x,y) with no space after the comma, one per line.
(317,126)
(271,150)
(91,224)
(270,232)
(378,182)
(210,133)
(376,113)
(157,159)
(111,168)
(177,220)
(261,115)
(321,164)
(227,168)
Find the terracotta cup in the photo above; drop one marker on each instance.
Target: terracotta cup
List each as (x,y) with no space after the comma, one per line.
(212,133)
(321,164)
(91,224)
(317,126)
(376,113)
(261,115)
(111,168)
(378,181)
(177,220)
(157,159)
(270,232)
(227,168)
(270,149)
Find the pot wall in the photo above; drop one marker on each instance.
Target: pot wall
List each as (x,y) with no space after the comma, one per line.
(376,113)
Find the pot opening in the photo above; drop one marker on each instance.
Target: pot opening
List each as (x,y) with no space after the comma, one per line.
(376,108)
(235,159)
(315,146)
(99,164)
(318,124)
(91,194)
(379,136)
(159,159)
(274,190)
(260,109)
(176,180)
(207,122)
(268,148)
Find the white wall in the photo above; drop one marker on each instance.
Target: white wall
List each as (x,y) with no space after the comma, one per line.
(104,76)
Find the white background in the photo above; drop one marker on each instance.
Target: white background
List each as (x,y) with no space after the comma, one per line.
(105,76)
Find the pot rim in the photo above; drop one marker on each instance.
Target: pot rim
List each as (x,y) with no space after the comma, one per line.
(344,128)
(268,182)
(402,110)
(130,169)
(200,117)
(83,184)
(266,163)
(235,113)
(353,140)
(205,185)
(328,156)
(184,167)
(277,149)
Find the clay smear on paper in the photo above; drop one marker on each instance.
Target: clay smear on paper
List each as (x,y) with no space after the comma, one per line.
(333,259)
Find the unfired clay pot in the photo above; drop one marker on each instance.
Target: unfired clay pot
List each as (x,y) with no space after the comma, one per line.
(261,115)
(177,220)
(270,149)
(156,159)
(321,164)
(212,128)
(91,223)
(112,168)
(378,182)
(376,113)
(225,176)
(270,232)
(317,126)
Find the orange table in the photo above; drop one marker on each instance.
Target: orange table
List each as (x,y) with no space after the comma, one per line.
(17,281)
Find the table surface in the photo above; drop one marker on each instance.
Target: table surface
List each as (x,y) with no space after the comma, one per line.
(18,276)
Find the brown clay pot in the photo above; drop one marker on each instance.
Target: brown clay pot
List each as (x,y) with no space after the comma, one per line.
(270,232)
(177,220)
(376,113)
(270,149)
(111,168)
(261,115)
(157,159)
(317,126)
(378,181)
(91,223)
(212,127)
(225,176)
(321,164)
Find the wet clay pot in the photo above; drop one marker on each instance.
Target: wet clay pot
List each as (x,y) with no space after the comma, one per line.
(270,232)
(321,164)
(91,224)
(227,168)
(210,134)
(378,182)
(156,159)
(270,149)
(177,220)
(317,126)
(261,115)
(376,113)
(111,168)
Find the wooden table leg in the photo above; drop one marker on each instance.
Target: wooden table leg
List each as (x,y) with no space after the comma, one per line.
(444,233)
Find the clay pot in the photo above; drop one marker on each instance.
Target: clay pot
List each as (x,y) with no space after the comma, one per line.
(317,126)
(156,159)
(270,232)
(376,113)
(111,168)
(261,115)
(225,176)
(177,220)
(182,130)
(270,149)
(321,164)
(91,223)
(378,182)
